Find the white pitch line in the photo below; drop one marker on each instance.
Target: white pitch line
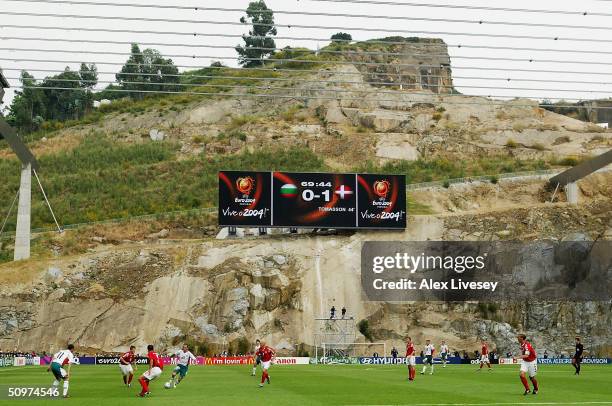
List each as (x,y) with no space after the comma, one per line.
(509,403)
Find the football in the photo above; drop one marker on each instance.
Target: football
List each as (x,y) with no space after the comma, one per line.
(168,385)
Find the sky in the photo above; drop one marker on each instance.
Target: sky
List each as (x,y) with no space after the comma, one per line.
(13,51)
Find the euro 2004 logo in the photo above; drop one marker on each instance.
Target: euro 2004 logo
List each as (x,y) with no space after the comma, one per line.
(381,189)
(245,185)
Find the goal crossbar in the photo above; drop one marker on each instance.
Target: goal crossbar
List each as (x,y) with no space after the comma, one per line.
(349,350)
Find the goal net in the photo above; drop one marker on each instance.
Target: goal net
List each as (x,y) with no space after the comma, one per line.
(336,353)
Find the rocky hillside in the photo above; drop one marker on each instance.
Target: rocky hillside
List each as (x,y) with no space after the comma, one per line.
(166,280)
(166,289)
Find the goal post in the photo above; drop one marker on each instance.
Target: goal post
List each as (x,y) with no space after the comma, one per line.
(330,353)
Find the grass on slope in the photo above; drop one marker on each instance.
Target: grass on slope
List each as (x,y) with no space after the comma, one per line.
(104,180)
(328,385)
(101,179)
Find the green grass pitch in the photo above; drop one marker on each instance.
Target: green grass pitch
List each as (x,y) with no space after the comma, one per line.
(330,384)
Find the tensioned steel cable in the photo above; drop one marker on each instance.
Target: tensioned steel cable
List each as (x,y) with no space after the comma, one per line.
(213,57)
(358,73)
(301,97)
(364,91)
(205,34)
(468,7)
(321,51)
(336,82)
(365,29)
(373,16)
(310,52)
(314,62)
(412,4)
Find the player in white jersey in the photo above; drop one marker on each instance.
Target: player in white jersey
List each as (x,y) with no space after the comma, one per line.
(256,358)
(428,354)
(61,358)
(183,358)
(444,352)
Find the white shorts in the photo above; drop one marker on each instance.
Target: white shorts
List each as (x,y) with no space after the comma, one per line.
(484,358)
(411,360)
(530,367)
(266,364)
(126,369)
(152,373)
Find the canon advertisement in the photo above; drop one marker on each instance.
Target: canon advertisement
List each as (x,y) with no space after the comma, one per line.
(312,200)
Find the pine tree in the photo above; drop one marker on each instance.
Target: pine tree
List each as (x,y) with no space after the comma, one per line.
(259,43)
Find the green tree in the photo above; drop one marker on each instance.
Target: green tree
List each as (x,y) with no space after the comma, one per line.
(147,71)
(60,97)
(161,73)
(130,76)
(259,42)
(89,76)
(26,105)
(74,99)
(341,37)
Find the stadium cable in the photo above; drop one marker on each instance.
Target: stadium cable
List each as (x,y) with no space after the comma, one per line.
(376,91)
(8,214)
(411,4)
(311,62)
(467,7)
(309,52)
(298,97)
(204,34)
(321,51)
(247,24)
(376,17)
(358,73)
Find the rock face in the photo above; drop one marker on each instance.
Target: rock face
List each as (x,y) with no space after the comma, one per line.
(411,63)
(397,146)
(221,292)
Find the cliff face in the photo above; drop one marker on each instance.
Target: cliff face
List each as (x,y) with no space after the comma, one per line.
(131,290)
(219,292)
(411,63)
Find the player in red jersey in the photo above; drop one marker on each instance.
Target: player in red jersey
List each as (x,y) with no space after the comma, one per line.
(410,359)
(127,363)
(266,354)
(155,370)
(529,364)
(484,356)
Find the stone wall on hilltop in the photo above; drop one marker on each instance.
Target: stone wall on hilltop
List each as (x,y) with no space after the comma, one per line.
(417,64)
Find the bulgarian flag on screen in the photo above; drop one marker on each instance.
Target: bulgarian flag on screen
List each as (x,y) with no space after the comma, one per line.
(289,190)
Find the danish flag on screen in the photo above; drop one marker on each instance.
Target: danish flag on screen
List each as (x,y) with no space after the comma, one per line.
(344,191)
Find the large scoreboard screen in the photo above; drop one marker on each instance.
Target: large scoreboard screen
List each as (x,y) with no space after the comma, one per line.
(312,200)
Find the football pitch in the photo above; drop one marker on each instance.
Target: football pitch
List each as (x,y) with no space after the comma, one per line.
(326,384)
